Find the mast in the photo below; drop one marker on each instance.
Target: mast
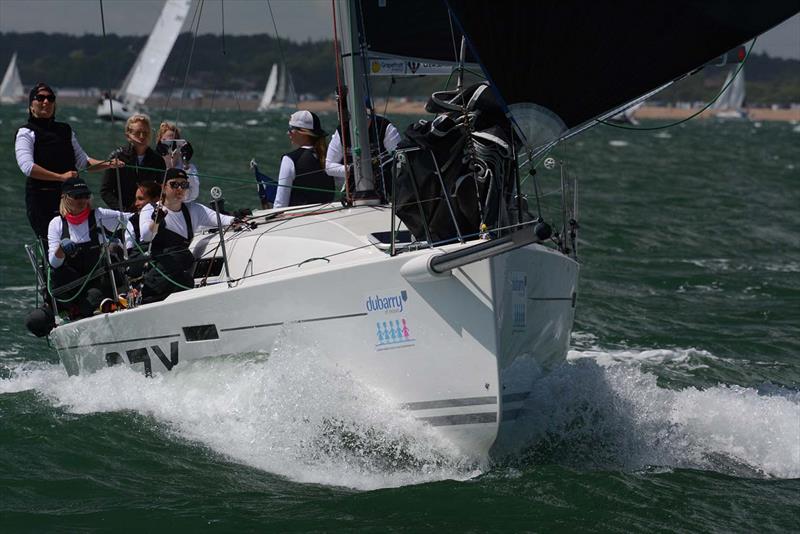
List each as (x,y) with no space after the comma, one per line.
(353,66)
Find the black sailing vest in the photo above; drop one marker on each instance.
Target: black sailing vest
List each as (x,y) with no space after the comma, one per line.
(167,239)
(88,253)
(52,150)
(308,173)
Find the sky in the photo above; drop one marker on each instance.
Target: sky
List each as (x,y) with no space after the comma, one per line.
(297,20)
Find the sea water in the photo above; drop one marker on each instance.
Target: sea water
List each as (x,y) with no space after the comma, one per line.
(678,407)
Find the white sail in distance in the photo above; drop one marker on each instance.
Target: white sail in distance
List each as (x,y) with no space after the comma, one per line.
(734,96)
(270,89)
(11,89)
(144,74)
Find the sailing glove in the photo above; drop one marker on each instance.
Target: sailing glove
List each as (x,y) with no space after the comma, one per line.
(187,152)
(68,246)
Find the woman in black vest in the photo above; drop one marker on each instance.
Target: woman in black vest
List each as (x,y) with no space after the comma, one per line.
(302,178)
(74,250)
(143,165)
(48,153)
(171,226)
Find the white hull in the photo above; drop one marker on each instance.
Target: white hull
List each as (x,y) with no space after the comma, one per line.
(121,111)
(465,347)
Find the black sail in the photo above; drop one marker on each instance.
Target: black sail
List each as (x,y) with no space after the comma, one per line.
(576,59)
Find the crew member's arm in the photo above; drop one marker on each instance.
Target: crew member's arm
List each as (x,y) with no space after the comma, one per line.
(205,217)
(110,219)
(147,226)
(23,148)
(391,138)
(54,253)
(333,160)
(285,181)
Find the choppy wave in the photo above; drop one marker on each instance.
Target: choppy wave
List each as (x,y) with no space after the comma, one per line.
(297,415)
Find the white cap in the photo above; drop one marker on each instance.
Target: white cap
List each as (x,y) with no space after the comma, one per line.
(306,120)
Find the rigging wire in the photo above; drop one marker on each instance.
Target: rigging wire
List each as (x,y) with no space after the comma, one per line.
(189,62)
(283,56)
(108,82)
(182,56)
(693,115)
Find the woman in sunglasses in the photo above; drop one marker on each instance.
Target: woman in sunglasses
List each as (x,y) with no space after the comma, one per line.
(177,152)
(143,164)
(74,240)
(171,226)
(48,153)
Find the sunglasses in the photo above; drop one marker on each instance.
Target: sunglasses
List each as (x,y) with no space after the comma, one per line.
(42,98)
(179,184)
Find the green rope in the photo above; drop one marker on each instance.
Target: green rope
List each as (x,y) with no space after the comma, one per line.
(693,115)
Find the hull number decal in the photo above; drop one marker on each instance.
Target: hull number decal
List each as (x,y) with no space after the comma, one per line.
(142,355)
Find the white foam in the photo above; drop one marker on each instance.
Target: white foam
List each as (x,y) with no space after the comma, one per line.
(608,412)
(294,414)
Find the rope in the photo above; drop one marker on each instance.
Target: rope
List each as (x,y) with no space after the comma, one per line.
(693,115)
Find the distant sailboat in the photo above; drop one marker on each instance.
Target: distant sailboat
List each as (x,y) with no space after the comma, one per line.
(11,89)
(730,104)
(144,74)
(279,91)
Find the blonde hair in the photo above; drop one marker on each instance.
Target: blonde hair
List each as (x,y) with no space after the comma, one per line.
(66,204)
(319,143)
(167,126)
(138,117)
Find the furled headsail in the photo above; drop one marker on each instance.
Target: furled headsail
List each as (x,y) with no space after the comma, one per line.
(567,61)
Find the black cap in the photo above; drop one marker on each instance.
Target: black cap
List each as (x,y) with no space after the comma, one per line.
(176,173)
(75,187)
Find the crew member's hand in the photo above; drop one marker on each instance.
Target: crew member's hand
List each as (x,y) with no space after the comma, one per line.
(68,246)
(187,152)
(159,213)
(69,174)
(116,163)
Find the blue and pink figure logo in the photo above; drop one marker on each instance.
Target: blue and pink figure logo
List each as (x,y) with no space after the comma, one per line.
(393,334)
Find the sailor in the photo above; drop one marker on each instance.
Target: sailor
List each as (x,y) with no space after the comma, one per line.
(302,178)
(170,226)
(74,247)
(48,153)
(178,156)
(146,193)
(383,140)
(143,164)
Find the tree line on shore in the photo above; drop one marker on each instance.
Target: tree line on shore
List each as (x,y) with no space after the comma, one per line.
(242,63)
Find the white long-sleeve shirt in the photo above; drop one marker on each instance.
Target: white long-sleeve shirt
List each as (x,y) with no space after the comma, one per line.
(80,233)
(23,148)
(335,155)
(201,216)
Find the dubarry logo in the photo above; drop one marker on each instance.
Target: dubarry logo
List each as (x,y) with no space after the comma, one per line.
(390,304)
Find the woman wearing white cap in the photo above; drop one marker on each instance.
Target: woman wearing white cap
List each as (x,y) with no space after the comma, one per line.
(302,178)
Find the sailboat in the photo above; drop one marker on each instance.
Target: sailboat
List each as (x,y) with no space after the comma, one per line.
(143,76)
(452,300)
(279,91)
(730,104)
(11,89)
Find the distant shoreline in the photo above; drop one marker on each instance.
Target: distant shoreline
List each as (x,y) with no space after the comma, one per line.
(403,107)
